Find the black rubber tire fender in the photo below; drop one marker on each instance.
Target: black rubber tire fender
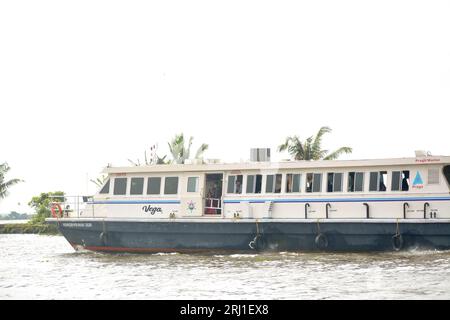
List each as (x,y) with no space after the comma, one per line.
(397,242)
(260,243)
(103,237)
(321,241)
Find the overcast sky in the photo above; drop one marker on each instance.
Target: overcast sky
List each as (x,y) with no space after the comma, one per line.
(86,83)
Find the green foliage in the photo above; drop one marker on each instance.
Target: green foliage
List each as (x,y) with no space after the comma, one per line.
(311,148)
(6,184)
(41,205)
(180,152)
(100,181)
(29,228)
(153,159)
(13,215)
(178,149)
(162,160)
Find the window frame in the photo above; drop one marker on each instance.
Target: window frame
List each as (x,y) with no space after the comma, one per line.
(446,172)
(299,182)
(314,174)
(107,183)
(334,180)
(131,184)
(386,182)
(363,174)
(126,186)
(254,183)
(396,181)
(165,184)
(160,185)
(197,184)
(400,180)
(235,176)
(274,182)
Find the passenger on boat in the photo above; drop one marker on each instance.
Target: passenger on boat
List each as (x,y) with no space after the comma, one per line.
(382,184)
(238,186)
(405,183)
(213,193)
(309,179)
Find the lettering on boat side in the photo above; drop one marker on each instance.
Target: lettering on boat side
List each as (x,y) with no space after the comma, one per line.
(427,160)
(151,209)
(418,182)
(77,225)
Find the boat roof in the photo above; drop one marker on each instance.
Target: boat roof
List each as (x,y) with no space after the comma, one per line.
(294,164)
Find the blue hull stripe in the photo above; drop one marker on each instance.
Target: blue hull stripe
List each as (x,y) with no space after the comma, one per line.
(340,200)
(136,202)
(280,200)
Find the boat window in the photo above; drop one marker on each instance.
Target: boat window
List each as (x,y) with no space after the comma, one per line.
(273,183)
(433,176)
(293,182)
(447,174)
(269,183)
(105,189)
(120,186)
(405,180)
(254,183)
(235,184)
(395,184)
(334,182)
(378,181)
(137,186)
(400,180)
(154,185)
(278,179)
(313,182)
(373,184)
(171,185)
(192,185)
(355,182)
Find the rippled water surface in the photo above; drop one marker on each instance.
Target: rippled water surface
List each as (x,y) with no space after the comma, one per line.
(46,267)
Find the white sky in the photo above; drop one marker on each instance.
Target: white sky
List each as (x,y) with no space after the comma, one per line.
(86,83)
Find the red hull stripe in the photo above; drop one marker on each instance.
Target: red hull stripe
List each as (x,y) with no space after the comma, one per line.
(147,250)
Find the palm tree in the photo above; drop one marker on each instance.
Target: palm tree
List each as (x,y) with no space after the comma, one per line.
(162,160)
(311,148)
(153,159)
(180,152)
(5,185)
(100,181)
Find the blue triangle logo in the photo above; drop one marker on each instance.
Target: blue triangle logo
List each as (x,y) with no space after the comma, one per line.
(417,179)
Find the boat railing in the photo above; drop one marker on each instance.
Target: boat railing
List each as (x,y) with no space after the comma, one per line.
(213,205)
(68,206)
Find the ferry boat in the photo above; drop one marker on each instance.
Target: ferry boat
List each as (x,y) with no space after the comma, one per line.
(254,206)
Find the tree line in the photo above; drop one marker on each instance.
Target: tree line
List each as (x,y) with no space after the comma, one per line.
(308,149)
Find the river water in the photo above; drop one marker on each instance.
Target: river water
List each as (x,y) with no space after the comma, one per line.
(46,267)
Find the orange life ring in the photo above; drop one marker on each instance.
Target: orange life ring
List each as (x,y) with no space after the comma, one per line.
(54,213)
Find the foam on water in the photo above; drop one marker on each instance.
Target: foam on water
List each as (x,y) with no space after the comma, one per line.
(47,267)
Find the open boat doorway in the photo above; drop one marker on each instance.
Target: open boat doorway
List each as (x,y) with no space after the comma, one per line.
(213,195)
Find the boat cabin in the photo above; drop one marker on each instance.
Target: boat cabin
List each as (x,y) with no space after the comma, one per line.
(333,189)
